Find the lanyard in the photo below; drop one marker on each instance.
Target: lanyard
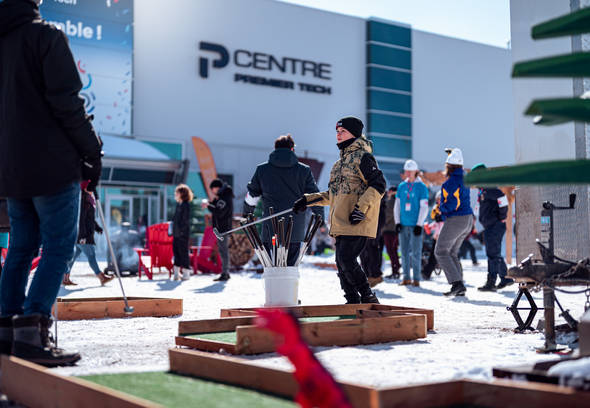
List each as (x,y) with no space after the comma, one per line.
(410,188)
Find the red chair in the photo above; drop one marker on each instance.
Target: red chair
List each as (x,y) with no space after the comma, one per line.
(160,251)
(205,258)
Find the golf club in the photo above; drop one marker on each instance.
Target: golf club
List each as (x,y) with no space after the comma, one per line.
(127,309)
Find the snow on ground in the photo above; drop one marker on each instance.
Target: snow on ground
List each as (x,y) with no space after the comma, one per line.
(472,333)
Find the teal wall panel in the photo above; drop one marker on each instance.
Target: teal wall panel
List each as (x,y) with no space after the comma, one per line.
(383,146)
(393,125)
(391,57)
(384,78)
(389,33)
(391,102)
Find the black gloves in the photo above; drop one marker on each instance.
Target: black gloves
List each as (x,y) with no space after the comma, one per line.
(398,228)
(417,230)
(98,229)
(356,216)
(300,205)
(91,170)
(438,218)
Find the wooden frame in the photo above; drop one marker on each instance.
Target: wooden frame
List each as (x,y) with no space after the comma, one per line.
(99,308)
(339,310)
(345,332)
(494,394)
(35,386)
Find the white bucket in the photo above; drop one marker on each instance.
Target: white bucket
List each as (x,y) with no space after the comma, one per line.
(281,286)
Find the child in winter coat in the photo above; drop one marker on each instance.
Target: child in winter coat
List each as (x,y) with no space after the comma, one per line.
(457,214)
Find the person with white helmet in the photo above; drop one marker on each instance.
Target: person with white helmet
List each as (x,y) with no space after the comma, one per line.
(456,212)
(410,211)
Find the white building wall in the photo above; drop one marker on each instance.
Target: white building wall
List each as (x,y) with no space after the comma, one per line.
(462,97)
(536,143)
(241,121)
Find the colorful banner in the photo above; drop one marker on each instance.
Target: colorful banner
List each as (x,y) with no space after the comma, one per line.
(206,163)
(101,38)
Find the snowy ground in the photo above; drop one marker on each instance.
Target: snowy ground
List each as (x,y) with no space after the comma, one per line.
(472,334)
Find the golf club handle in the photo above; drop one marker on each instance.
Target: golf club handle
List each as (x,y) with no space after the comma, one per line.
(256,222)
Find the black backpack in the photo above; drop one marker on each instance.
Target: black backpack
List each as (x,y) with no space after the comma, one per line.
(4,220)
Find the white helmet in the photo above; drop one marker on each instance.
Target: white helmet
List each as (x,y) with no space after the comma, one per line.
(455,157)
(410,165)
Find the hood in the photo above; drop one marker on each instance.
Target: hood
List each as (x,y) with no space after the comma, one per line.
(359,144)
(225,191)
(283,158)
(14,13)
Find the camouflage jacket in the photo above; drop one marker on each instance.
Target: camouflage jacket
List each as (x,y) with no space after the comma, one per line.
(355,180)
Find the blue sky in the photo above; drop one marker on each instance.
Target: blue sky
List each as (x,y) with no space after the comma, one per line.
(484,21)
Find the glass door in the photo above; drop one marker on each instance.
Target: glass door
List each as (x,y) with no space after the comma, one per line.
(119,209)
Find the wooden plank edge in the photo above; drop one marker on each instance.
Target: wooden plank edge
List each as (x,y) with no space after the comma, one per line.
(35,386)
(243,373)
(213,325)
(206,345)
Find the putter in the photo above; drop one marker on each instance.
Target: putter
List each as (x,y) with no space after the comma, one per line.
(127,309)
(221,236)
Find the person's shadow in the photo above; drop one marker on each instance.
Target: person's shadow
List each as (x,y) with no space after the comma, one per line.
(213,288)
(168,284)
(64,291)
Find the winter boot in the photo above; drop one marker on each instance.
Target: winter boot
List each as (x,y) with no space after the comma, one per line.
(375,281)
(222,278)
(34,342)
(405,282)
(352,299)
(457,289)
(489,286)
(104,278)
(367,295)
(186,273)
(504,282)
(416,283)
(5,334)
(176,270)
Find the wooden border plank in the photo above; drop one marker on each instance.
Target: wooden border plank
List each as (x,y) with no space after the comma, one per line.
(422,395)
(213,325)
(98,308)
(347,332)
(428,312)
(517,394)
(235,371)
(206,345)
(35,386)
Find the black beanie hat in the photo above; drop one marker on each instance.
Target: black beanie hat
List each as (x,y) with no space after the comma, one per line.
(216,183)
(352,124)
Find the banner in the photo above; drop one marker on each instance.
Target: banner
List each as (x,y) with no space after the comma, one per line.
(206,163)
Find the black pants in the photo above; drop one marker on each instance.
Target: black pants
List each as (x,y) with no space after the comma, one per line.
(467,246)
(493,236)
(352,278)
(180,251)
(372,257)
(431,263)
(293,254)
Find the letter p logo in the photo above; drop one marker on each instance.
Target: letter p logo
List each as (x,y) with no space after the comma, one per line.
(220,62)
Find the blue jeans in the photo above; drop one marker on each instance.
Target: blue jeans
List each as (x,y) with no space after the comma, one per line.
(492,237)
(90,253)
(411,248)
(49,221)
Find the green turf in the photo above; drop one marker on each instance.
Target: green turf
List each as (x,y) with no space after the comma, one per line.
(230,336)
(171,390)
(227,337)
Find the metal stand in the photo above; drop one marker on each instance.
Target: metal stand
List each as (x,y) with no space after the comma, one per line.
(549,304)
(514,309)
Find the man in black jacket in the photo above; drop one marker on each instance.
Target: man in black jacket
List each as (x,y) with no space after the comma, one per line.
(222,209)
(47,145)
(279,182)
(493,208)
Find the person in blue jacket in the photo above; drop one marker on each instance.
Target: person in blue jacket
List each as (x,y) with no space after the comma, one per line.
(456,212)
(410,211)
(493,209)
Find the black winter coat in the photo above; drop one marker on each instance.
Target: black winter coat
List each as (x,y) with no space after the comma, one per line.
(181,221)
(493,206)
(88,224)
(222,208)
(44,129)
(280,182)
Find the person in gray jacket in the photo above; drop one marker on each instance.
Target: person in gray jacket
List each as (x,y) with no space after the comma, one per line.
(279,182)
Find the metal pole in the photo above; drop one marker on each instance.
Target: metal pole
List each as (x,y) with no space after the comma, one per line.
(127,309)
(549,305)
